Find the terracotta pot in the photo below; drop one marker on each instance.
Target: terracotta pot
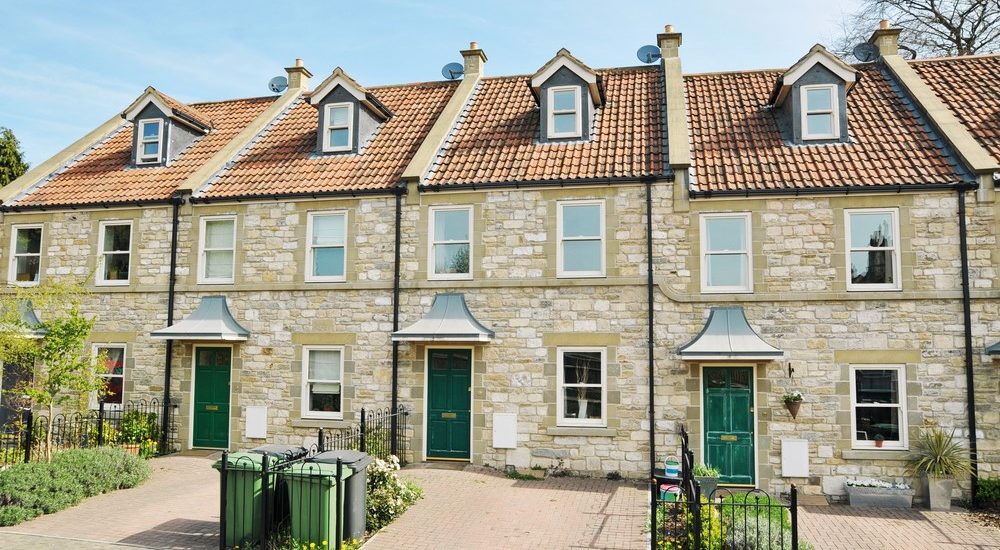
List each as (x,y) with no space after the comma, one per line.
(132,448)
(793,407)
(879,442)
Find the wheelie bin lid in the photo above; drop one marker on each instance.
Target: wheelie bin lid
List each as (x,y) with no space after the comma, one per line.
(245,462)
(357,460)
(287,452)
(317,469)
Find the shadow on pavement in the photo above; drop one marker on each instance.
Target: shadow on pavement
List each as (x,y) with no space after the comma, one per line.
(178,534)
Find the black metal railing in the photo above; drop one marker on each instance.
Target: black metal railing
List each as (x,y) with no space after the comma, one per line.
(380,433)
(272,502)
(135,426)
(727,518)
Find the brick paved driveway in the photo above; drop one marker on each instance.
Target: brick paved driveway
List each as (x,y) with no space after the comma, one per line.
(481,508)
(846,528)
(178,507)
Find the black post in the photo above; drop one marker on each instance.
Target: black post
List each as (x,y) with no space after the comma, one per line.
(222,499)
(970,378)
(100,424)
(364,446)
(338,534)
(29,433)
(265,498)
(696,512)
(321,441)
(653,488)
(795,517)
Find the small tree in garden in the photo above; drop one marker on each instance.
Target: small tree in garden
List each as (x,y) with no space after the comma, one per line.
(62,368)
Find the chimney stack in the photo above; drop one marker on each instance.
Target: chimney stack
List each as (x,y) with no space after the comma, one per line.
(886,39)
(474,58)
(669,42)
(298,76)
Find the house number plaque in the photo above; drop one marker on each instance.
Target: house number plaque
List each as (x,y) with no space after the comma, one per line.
(727,438)
(449,415)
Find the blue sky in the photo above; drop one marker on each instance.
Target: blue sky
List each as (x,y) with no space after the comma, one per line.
(68,66)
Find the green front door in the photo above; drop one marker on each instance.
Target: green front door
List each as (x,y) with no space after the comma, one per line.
(211,397)
(729,423)
(449,399)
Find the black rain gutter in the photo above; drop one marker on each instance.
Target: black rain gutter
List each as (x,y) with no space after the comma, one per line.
(970,379)
(845,189)
(282,196)
(168,359)
(13,208)
(650,346)
(400,191)
(545,183)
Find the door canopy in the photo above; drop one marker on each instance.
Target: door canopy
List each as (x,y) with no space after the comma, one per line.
(211,321)
(449,320)
(727,336)
(27,325)
(994,350)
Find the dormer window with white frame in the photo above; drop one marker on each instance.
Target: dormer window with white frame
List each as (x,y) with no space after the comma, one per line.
(339,130)
(150,149)
(820,112)
(565,112)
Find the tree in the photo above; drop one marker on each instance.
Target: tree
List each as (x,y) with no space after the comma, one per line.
(62,368)
(930,28)
(12,163)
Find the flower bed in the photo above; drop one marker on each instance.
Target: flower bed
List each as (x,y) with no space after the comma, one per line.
(874,493)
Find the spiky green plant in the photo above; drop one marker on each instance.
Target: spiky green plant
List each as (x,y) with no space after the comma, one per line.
(937,454)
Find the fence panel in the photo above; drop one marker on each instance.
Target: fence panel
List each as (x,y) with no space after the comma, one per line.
(380,433)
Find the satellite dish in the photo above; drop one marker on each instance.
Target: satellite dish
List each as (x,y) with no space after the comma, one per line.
(649,54)
(278,84)
(452,71)
(866,52)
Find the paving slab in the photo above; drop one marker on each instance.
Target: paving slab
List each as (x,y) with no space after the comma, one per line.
(841,527)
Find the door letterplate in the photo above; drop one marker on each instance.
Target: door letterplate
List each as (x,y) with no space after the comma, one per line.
(211,407)
(727,438)
(449,415)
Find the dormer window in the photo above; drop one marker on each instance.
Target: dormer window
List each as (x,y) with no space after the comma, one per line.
(339,127)
(150,142)
(565,116)
(819,112)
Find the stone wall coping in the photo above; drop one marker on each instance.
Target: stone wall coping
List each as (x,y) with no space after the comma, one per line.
(584,432)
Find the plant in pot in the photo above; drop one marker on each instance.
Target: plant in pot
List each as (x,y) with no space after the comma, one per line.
(708,478)
(937,458)
(793,400)
(879,439)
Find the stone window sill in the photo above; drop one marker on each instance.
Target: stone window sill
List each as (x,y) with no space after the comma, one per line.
(585,432)
(876,455)
(317,423)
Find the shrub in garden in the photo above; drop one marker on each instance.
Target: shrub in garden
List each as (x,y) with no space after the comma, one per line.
(388,496)
(138,427)
(29,490)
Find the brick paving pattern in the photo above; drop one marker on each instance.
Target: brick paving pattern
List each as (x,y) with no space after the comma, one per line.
(481,508)
(846,528)
(178,507)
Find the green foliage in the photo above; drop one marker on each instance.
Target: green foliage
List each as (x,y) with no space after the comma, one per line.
(754,505)
(30,490)
(138,427)
(674,526)
(110,434)
(988,492)
(937,454)
(12,164)
(514,474)
(706,470)
(388,496)
(763,534)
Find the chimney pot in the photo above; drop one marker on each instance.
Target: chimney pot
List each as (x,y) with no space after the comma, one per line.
(474,58)
(473,45)
(885,38)
(883,24)
(298,62)
(669,42)
(668,28)
(298,75)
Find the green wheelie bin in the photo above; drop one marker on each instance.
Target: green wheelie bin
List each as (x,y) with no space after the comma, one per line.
(244,499)
(313,502)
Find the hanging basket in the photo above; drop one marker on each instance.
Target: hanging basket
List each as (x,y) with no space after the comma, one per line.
(793,407)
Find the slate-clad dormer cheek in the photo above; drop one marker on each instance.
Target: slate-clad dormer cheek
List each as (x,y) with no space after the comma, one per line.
(810,99)
(347,115)
(162,128)
(568,94)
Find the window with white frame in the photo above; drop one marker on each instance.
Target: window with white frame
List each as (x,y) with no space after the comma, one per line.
(326,257)
(450,243)
(820,115)
(150,146)
(112,371)
(726,262)
(322,381)
(25,255)
(878,403)
(218,250)
(565,112)
(115,252)
(873,249)
(581,239)
(582,392)
(339,127)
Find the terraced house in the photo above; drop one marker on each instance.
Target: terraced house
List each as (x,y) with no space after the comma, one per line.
(479,251)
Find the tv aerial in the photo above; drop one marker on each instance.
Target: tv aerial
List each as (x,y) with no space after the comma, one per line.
(865,52)
(649,54)
(278,84)
(453,71)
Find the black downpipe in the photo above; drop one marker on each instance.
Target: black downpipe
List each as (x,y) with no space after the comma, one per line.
(395,322)
(649,350)
(169,348)
(970,378)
